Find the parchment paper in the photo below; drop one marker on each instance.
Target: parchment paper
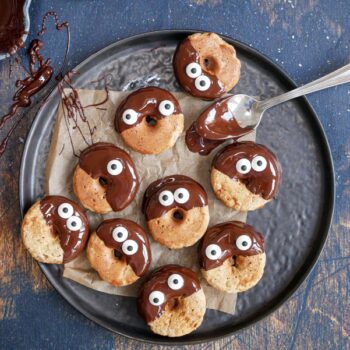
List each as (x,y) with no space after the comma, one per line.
(178,160)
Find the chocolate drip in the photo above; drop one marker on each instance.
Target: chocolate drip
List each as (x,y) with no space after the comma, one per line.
(139,261)
(158,281)
(120,189)
(184,55)
(145,103)
(265,183)
(225,236)
(153,209)
(72,242)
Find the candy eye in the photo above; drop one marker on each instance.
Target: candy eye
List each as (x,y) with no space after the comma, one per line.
(129,117)
(175,281)
(65,210)
(181,195)
(74,223)
(259,163)
(130,247)
(202,83)
(193,70)
(156,298)
(120,234)
(213,252)
(243,242)
(243,166)
(114,167)
(166,198)
(166,108)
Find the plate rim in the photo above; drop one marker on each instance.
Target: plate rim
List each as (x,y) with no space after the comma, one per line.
(302,273)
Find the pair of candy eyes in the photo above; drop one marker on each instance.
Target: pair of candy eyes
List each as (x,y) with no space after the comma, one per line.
(165,108)
(180,196)
(175,282)
(202,82)
(243,166)
(120,235)
(214,252)
(66,211)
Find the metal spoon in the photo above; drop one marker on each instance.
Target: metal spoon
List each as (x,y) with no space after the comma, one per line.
(248,111)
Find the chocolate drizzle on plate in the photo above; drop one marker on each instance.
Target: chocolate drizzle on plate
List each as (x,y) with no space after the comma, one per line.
(233,238)
(72,241)
(141,259)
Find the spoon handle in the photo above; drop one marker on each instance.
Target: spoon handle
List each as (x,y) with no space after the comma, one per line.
(338,77)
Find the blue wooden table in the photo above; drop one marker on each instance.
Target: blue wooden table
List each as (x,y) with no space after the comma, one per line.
(307,38)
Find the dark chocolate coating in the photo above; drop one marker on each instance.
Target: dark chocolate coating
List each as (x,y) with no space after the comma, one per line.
(265,183)
(158,281)
(145,102)
(139,261)
(153,209)
(225,236)
(184,55)
(72,242)
(120,189)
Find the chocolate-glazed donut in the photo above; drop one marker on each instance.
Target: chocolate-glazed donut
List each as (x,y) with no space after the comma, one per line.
(246,175)
(172,301)
(176,210)
(105,178)
(119,251)
(206,66)
(149,120)
(55,230)
(232,257)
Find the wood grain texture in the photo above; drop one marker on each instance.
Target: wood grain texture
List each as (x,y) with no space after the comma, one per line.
(307,38)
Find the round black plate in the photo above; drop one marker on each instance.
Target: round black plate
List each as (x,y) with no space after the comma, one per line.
(296,224)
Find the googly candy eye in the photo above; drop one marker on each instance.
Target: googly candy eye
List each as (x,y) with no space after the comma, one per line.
(175,281)
(166,198)
(120,234)
(259,163)
(129,116)
(202,83)
(213,252)
(193,70)
(243,242)
(166,108)
(74,223)
(114,167)
(243,166)
(130,247)
(156,298)
(65,210)
(181,195)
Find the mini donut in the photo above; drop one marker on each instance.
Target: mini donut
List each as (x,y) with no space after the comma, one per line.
(245,175)
(232,257)
(176,210)
(55,230)
(172,301)
(119,251)
(105,178)
(149,120)
(206,66)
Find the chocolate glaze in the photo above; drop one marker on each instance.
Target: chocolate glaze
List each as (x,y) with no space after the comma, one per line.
(153,209)
(72,242)
(120,189)
(145,102)
(265,183)
(11,25)
(198,144)
(184,55)
(158,281)
(225,236)
(141,260)
(218,122)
